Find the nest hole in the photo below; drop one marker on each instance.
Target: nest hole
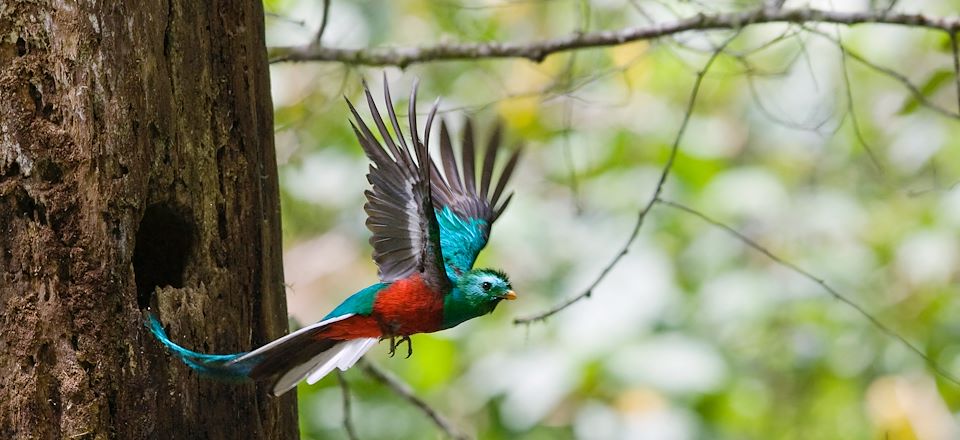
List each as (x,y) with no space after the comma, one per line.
(164,243)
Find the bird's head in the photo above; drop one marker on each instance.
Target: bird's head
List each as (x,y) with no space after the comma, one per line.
(477,293)
(486,285)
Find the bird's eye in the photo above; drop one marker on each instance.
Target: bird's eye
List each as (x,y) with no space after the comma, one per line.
(486,285)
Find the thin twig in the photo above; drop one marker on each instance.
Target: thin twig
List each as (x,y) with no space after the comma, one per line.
(956,64)
(688,112)
(550,92)
(823,284)
(893,74)
(854,121)
(583,13)
(538,50)
(284,18)
(347,423)
(890,6)
(808,125)
(323,24)
(487,5)
(568,157)
(403,390)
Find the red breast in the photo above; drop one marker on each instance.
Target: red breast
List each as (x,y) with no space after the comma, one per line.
(405,307)
(409,306)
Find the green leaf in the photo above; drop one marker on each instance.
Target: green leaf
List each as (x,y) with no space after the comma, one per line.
(933,84)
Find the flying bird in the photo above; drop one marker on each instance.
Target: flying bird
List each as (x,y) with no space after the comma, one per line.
(428,221)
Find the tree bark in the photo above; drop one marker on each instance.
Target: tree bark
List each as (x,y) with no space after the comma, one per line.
(137,171)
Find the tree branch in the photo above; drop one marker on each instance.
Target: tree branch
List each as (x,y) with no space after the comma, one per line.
(347,423)
(823,284)
(893,74)
(646,209)
(323,24)
(851,110)
(956,64)
(538,50)
(404,391)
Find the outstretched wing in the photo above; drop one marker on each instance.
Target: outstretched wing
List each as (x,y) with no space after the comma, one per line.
(466,209)
(406,235)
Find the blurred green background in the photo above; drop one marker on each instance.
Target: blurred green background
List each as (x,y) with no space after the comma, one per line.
(825,161)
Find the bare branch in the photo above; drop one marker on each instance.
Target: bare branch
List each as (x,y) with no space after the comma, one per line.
(848,88)
(486,5)
(323,24)
(347,423)
(891,5)
(899,77)
(823,284)
(775,4)
(538,50)
(403,390)
(646,209)
(583,13)
(816,126)
(284,19)
(956,64)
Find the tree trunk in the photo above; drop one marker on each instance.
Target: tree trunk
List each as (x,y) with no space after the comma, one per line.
(137,171)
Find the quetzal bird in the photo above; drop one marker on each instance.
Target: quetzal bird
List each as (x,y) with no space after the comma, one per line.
(429,222)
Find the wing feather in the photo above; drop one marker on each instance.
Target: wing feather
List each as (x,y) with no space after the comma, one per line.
(465,211)
(502,183)
(469,168)
(489,159)
(400,214)
(449,160)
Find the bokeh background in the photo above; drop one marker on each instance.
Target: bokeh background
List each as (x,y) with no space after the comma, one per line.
(827,162)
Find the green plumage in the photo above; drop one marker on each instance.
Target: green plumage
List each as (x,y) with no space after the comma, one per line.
(360,303)
(477,293)
(460,240)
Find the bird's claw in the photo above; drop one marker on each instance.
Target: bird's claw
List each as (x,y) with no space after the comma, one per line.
(394,343)
(409,346)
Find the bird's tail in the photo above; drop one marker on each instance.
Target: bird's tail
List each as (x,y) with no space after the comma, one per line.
(220,366)
(303,354)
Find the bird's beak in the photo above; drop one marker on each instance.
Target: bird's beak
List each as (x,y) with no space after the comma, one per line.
(510,295)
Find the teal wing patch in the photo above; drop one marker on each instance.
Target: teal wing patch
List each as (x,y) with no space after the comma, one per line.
(460,241)
(360,303)
(465,206)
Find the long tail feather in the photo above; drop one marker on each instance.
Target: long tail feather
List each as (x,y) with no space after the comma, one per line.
(221,366)
(283,362)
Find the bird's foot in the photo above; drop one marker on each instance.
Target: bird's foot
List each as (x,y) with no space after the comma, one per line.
(409,346)
(395,342)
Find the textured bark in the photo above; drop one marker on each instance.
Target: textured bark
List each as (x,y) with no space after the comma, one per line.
(137,170)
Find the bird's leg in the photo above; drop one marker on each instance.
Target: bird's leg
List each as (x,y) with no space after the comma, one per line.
(392,328)
(409,345)
(393,345)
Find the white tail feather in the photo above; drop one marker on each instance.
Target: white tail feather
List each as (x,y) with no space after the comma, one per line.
(279,341)
(342,356)
(294,375)
(347,353)
(362,349)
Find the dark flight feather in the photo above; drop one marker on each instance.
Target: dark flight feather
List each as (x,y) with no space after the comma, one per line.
(406,235)
(472,201)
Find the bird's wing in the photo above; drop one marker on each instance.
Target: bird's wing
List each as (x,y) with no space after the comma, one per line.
(466,208)
(406,235)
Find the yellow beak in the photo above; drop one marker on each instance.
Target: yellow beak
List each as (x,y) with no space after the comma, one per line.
(510,295)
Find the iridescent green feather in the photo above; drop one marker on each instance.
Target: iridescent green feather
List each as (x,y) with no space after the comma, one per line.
(460,241)
(360,303)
